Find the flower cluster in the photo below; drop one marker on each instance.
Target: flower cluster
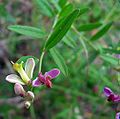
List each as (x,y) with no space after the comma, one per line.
(112,97)
(25,77)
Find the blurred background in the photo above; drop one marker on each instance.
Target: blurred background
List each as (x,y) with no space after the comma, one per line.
(78,95)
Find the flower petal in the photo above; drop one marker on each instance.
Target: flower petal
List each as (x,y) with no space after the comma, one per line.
(36,82)
(48,82)
(19,90)
(53,73)
(114,98)
(29,67)
(107,91)
(13,78)
(41,77)
(118,115)
(21,71)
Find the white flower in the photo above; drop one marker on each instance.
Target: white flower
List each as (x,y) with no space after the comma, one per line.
(25,74)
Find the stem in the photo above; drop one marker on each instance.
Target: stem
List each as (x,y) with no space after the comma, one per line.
(110,14)
(42,55)
(32,112)
(118,74)
(81,40)
(41,59)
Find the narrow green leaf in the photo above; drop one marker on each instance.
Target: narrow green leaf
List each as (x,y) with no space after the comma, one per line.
(62,3)
(27,30)
(101,32)
(66,10)
(45,7)
(89,27)
(56,5)
(83,10)
(61,31)
(3,12)
(57,57)
(63,14)
(109,59)
(111,51)
(69,41)
(91,58)
(24,59)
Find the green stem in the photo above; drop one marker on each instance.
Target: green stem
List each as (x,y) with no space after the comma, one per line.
(41,59)
(110,14)
(81,40)
(32,112)
(118,74)
(42,55)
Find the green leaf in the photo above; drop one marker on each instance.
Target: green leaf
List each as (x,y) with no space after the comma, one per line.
(101,32)
(66,10)
(27,30)
(3,12)
(109,59)
(93,55)
(45,7)
(57,57)
(89,27)
(63,14)
(69,41)
(61,31)
(24,59)
(83,10)
(62,3)
(111,51)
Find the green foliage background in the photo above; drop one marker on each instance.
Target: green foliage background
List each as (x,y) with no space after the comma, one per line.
(86,56)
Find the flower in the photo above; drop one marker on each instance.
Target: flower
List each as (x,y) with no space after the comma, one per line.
(29,99)
(118,115)
(19,90)
(110,95)
(46,78)
(25,74)
(28,96)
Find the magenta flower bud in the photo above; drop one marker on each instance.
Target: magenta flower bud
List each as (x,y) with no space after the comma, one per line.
(19,90)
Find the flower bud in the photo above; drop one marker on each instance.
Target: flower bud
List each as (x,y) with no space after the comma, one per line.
(30,96)
(19,90)
(27,104)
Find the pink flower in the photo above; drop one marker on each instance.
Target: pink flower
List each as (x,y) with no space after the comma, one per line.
(118,115)
(19,90)
(46,78)
(110,95)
